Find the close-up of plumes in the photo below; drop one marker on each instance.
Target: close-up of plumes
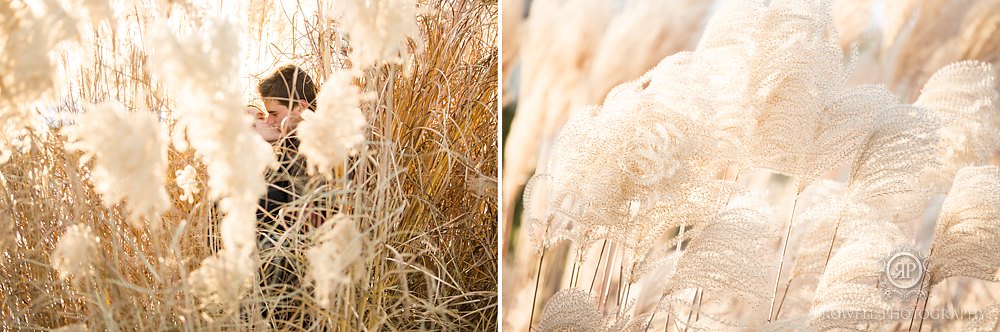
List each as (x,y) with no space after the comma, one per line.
(159,171)
(782,165)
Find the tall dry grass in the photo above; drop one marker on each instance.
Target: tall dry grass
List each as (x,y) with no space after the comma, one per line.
(420,192)
(758,181)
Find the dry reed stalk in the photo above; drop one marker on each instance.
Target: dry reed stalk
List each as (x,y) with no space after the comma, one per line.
(781,261)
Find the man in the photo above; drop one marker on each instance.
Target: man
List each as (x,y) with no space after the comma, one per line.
(286,93)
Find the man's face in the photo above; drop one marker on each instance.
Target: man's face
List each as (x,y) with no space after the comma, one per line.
(280,116)
(268,132)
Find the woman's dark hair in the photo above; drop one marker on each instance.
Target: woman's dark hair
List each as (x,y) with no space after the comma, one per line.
(291,83)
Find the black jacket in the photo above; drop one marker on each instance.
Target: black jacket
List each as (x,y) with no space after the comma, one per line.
(281,187)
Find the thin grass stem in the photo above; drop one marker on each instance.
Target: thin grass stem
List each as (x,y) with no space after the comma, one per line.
(781,261)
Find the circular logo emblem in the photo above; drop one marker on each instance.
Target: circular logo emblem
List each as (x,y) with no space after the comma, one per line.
(904,269)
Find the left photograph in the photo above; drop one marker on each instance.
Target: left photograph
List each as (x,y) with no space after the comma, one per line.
(248,165)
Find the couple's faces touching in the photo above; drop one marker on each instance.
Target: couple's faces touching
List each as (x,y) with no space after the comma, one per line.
(277,118)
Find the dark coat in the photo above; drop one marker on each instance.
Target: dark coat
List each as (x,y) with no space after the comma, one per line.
(279,272)
(280,188)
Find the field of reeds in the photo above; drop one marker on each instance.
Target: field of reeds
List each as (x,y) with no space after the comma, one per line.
(782,165)
(130,175)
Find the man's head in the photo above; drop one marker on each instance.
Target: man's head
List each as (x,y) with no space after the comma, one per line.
(287,93)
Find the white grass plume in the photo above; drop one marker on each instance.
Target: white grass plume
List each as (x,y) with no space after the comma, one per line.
(378,29)
(76,252)
(967,235)
(130,149)
(805,121)
(964,96)
(847,296)
(546,225)
(630,153)
(835,222)
(902,148)
(336,128)
(728,254)
(187,180)
(338,257)
(221,280)
(32,34)
(570,310)
(33,31)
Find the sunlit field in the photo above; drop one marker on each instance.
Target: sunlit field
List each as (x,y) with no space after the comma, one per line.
(782,165)
(133,160)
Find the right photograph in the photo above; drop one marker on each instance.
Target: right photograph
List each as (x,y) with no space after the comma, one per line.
(783,165)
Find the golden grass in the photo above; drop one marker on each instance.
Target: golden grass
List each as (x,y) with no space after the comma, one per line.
(423,191)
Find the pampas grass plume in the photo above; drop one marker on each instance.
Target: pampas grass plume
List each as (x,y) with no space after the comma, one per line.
(336,129)
(337,259)
(131,156)
(76,251)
